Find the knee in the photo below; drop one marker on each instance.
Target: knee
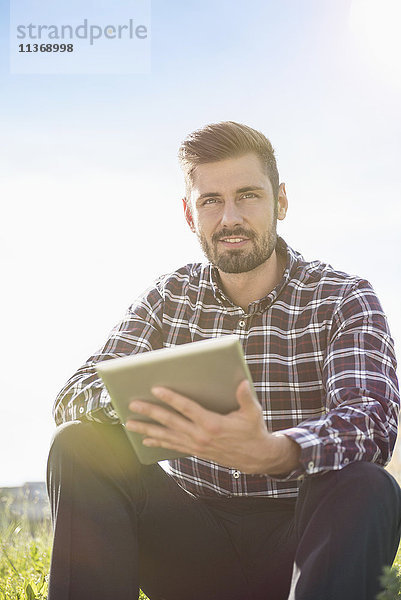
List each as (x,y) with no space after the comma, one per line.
(83,441)
(367,476)
(94,446)
(366,483)
(372,484)
(361,492)
(68,435)
(366,471)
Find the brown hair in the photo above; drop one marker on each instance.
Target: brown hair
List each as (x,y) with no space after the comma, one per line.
(226,139)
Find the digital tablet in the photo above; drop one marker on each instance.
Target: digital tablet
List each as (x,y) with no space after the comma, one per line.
(207,371)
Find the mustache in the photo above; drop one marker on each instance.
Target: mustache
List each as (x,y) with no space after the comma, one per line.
(238,232)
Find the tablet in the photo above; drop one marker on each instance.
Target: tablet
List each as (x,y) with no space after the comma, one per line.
(207,371)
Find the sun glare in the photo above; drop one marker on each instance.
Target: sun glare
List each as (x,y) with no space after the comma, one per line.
(376,25)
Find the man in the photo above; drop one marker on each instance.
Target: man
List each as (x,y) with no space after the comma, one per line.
(285,497)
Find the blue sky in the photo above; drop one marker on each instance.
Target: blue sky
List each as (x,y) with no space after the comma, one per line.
(91,187)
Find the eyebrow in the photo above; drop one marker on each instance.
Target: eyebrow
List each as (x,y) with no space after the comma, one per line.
(243,190)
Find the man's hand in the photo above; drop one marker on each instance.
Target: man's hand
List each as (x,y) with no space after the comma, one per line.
(239,439)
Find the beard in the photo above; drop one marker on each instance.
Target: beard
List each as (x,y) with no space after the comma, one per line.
(241,260)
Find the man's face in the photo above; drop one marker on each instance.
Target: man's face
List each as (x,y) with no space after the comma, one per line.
(234,214)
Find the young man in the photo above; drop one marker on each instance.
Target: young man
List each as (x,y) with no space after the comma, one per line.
(285,497)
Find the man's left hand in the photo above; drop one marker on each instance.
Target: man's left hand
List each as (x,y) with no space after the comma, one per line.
(239,439)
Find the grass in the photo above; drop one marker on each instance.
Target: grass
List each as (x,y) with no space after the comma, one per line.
(25,549)
(24,560)
(24,554)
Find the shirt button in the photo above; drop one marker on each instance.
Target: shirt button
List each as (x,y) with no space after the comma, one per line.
(236,474)
(311,464)
(81,410)
(241,323)
(346,461)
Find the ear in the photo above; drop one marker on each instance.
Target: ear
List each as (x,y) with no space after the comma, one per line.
(188,214)
(282,202)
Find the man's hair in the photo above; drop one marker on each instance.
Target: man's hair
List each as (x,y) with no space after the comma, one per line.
(227,139)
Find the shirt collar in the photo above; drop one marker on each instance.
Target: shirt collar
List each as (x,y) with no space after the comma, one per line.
(292,260)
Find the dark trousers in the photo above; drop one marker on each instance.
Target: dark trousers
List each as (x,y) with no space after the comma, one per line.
(119,525)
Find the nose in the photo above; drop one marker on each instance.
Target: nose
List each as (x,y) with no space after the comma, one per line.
(231,215)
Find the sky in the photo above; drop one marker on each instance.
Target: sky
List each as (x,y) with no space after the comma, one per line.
(91,189)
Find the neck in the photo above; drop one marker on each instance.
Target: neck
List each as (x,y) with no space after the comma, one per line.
(244,288)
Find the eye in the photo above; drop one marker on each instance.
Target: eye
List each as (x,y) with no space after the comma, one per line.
(210,201)
(249,195)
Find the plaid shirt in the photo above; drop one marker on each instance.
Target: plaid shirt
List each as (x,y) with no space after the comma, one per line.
(319,351)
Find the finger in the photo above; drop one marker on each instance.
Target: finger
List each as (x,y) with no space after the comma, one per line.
(160,434)
(246,396)
(177,446)
(166,417)
(150,429)
(189,408)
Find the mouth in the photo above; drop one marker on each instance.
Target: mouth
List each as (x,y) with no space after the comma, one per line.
(234,242)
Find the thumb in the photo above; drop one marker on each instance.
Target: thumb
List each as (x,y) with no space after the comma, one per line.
(246,396)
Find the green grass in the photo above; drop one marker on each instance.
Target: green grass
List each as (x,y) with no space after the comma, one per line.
(25,557)
(25,550)
(24,554)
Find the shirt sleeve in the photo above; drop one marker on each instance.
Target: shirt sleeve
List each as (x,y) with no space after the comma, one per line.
(84,396)
(361,390)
